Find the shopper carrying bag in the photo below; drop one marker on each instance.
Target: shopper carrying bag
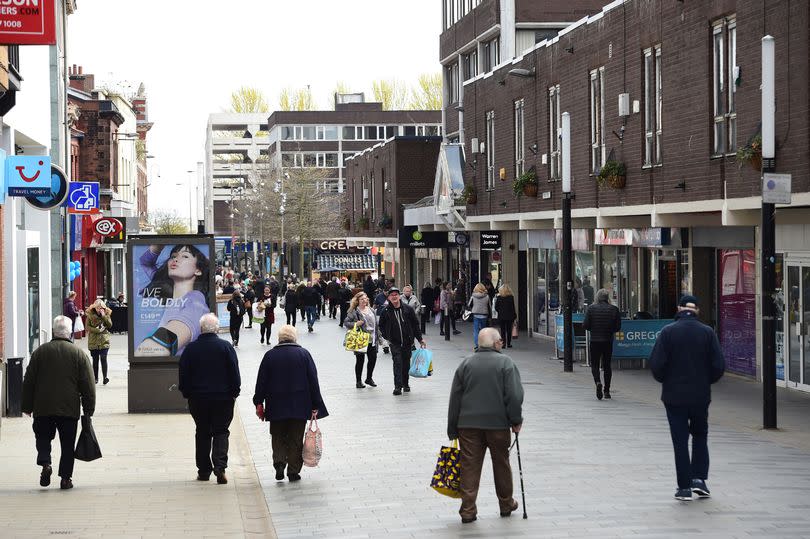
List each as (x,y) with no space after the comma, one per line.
(313,443)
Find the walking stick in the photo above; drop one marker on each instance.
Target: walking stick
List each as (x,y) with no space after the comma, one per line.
(520,468)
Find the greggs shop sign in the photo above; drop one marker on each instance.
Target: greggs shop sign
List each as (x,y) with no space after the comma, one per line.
(27,22)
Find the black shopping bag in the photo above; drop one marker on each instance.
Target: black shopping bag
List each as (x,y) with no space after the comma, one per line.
(87,448)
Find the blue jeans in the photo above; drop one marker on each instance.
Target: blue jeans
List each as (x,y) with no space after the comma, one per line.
(311,312)
(685,420)
(479,323)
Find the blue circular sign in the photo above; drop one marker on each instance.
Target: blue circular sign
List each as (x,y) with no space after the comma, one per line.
(59,191)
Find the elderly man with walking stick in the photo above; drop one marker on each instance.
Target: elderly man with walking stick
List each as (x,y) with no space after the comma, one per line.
(486,401)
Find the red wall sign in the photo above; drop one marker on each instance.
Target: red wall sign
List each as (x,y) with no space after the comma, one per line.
(27,22)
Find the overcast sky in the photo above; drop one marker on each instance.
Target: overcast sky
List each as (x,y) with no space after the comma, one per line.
(192,54)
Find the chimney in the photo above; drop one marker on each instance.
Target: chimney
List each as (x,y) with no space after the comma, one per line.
(80,70)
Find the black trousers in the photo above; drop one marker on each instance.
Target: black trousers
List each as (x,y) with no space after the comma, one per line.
(344,308)
(265,328)
(99,355)
(506,331)
(333,305)
(402,364)
(424,320)
(444,321)
(287,439)
(601,354)
(683,421)
(45,429)
(360,358)
(291,317)
(212,418)
(235,326)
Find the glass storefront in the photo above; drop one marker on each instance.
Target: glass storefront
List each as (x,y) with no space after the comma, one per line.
(737,309)
(547,291)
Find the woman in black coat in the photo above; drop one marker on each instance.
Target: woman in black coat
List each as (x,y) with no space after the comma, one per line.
(290,305)
(505,307)
(427,298)
(236,308)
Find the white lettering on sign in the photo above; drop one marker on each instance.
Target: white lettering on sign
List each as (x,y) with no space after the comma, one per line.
(163,302)
(641,335)
(334,245)
(18,3)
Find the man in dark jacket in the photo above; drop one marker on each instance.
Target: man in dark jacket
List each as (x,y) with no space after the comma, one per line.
(332,296)
(250,297)
(309,299)
(287,394)
(344,297)
(486,400)
(399,326)
(603,320)
(209,379)
(58,382)
(687,360)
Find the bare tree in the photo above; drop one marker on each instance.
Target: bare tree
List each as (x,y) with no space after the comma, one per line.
(168,222)
(248,99)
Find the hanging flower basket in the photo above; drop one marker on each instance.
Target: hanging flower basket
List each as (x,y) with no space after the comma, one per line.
(526,184)
(751,153)
(386,222)
(616,181)
(469,195)
(530,190)
(613,174)
(363,222)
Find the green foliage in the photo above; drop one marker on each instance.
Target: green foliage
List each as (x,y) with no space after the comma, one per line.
(751,151)
(469,193)
(248,99)
(296,99)
(527,178)
(427,95)
(611,169)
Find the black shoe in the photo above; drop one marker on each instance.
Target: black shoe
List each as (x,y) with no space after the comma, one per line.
(221,478)
(310,329)
(261,341)
(599,391)
(203,476)
(509,346)
(279,471)
(684,494)
(45,476)
(294,477)
(441,334)
(386,350)
(66,484)
(106,381)
(699,487)
(97,380)
(468,520)
(607,392)
(398,391)
(456,332)
(511,510)
(370,382)
(407,389)
(359,385)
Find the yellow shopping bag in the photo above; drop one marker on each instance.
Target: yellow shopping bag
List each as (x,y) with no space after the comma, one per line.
(356,340)
(447,477)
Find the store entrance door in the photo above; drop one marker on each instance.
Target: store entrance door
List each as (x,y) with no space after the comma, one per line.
(797,298)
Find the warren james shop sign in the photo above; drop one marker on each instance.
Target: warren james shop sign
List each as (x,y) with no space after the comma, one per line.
(27,22)
(490,241)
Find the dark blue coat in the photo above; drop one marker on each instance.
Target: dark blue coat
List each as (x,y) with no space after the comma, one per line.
(687,360)
(287,384)
(209,369)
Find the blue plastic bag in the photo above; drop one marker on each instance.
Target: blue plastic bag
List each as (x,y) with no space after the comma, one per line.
(421,359)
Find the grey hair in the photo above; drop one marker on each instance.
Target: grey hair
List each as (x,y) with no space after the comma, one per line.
(603,295)
(487,337)
(287,333)
(62,327)
(209,323)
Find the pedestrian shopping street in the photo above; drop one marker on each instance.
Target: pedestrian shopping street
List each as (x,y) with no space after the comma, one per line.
(591,468)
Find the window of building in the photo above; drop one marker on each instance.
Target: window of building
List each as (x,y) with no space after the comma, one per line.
(490,149)
(555,124)
(432,130)
(373,196)
(724,76)
(307,132)
(409,130)
(652,106)
(310,160)
(490,51)
(597,119)
(451,72)
(519,138)
(346,155)
(326,132)
(348,132)
(469,62)
(391,131)
(287,132)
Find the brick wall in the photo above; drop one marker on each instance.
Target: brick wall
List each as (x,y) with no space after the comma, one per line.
(616,41)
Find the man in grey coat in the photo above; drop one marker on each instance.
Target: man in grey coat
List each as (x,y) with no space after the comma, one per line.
(485,402)
(58,383)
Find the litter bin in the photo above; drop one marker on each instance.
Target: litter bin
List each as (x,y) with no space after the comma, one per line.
(14,383)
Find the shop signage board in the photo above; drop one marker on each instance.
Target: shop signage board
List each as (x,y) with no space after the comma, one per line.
(112,229)
(636,338)
(559,334)
(411,236)
(57,193)
(491,241)
(28,175)
(637,237)
(83,197)
(28,22)
(613,236)
(776,188)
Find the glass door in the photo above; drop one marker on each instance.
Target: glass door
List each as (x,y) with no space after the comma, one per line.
(798,325)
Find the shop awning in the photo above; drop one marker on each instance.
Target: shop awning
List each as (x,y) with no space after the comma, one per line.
(346,262)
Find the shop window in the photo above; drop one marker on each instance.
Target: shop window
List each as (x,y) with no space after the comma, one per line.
(725,77)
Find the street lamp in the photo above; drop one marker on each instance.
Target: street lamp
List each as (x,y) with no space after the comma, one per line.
(568,323)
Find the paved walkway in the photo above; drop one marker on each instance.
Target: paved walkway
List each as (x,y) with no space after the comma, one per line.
(591,468)
(144,486)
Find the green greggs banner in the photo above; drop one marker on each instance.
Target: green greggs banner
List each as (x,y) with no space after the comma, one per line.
(411,236)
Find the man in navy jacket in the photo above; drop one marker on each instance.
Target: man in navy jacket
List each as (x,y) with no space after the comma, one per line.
(687,360)
(209,379)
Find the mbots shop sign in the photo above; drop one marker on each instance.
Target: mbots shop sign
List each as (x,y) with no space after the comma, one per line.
(27,22)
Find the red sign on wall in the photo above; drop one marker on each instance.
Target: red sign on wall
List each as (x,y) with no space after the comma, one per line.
(27,22)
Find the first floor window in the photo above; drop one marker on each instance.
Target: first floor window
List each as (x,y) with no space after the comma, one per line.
(519,138)
(490,149)
(597,91)
(555,124)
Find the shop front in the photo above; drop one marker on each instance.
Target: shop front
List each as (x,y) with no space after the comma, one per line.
(793,307)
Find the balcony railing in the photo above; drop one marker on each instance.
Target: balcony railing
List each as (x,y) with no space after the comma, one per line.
(14,59)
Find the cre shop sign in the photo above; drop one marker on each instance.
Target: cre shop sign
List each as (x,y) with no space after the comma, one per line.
(28,22)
